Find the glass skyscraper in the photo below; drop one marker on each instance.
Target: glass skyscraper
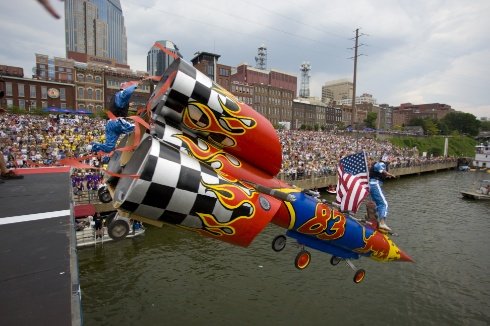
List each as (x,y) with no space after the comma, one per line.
(157,61)
(96,27)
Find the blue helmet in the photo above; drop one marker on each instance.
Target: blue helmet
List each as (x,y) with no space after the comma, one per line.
(380,167)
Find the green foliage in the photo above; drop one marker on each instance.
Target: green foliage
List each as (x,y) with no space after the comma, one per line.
(316,127)
(430,127)
(465,123)
(371,120)
(485,125)
(101,114)
(459,146)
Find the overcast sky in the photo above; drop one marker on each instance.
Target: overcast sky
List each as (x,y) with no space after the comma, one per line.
(412,51)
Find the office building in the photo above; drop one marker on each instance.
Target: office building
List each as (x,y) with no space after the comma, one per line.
(96,28)
(157,61)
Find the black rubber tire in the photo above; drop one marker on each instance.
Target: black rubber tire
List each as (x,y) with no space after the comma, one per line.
(118,230)
(279,243)
(104,195)
(334,260)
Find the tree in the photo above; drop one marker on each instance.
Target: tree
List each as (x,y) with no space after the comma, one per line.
(430,127)
(465,123)
(485,125)
(371,120)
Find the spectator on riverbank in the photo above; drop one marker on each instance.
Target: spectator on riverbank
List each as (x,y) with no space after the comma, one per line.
(31,141)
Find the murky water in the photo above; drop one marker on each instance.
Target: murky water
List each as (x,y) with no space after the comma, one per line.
(174,277)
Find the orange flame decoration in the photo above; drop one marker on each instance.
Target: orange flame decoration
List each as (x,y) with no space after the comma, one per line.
(200,117)
(232,197)
(203,151)
(318,224)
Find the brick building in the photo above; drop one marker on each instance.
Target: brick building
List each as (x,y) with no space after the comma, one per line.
(313,113)
(27,94)
(408,111)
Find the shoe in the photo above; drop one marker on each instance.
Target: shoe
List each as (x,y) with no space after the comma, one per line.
(382,225)
(11,175)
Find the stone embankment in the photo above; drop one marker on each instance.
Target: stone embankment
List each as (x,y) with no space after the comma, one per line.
(325,181)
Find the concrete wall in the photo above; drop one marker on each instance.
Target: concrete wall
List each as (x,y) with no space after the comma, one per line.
(323,182)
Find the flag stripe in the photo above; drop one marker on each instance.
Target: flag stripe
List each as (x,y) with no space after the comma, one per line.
(352,184)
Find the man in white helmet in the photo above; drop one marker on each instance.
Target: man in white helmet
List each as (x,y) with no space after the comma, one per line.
(377,174)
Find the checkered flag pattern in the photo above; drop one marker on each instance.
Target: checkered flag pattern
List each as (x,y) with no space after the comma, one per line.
(189,84)
(169,188)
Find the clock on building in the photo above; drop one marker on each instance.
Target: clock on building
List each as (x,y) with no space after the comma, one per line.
(53,93)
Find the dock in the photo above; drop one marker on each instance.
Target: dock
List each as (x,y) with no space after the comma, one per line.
(39,282)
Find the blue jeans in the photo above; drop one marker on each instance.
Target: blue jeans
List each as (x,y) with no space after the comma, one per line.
(113,130)
(379,198)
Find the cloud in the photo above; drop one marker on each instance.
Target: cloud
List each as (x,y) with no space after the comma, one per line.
(412,50)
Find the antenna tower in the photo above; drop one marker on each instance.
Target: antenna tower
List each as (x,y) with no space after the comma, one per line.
(261,58)
(305,79)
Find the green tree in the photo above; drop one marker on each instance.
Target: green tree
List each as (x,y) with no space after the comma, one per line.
(430,127)
(416,122)
(370,120)
(465,123)
(485,125)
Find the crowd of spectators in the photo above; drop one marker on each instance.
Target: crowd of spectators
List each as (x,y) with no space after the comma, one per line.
(31,141)
(308,154)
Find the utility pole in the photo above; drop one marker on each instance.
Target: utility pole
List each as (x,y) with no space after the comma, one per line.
(354,110)
(354,80)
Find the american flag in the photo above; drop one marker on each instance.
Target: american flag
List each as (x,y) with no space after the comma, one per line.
(353,183)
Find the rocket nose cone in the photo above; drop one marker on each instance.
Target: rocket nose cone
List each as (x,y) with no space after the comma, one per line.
(405,257)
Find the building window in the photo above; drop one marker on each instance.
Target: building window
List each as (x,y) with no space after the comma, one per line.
(62,94)
(44,104)
(80,93)
(44,92)
(63,105)
(10,103)
(90,94)
(210,70)
(8,89)
(98,80)
(22,104)
(98,94)
(98,107)
(80,77)
(89,79)
(20,87)
(32,91)
(32,104)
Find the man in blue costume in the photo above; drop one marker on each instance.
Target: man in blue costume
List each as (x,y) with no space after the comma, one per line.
(377,174)
(116,127)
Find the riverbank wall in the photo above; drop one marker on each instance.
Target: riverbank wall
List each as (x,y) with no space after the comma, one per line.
(414,170)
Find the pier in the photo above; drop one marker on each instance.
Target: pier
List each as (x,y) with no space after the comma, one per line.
(325,181)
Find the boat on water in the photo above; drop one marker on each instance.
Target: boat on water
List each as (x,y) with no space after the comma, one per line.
(482,156)
(332,189)
(482,192)
(87,235)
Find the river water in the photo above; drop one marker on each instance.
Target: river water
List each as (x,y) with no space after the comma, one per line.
(174,277)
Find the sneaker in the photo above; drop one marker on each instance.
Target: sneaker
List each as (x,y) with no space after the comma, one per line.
(382,225)
(11,175)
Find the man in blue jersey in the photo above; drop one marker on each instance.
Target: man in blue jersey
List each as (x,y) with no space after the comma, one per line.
(116,127)
(377,174)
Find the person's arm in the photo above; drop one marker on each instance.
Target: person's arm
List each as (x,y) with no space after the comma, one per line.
(388,174)
(123,96)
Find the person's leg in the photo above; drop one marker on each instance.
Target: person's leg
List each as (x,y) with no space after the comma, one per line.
(381,204)
(6,173)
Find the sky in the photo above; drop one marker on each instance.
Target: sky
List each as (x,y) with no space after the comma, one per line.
(411,51)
